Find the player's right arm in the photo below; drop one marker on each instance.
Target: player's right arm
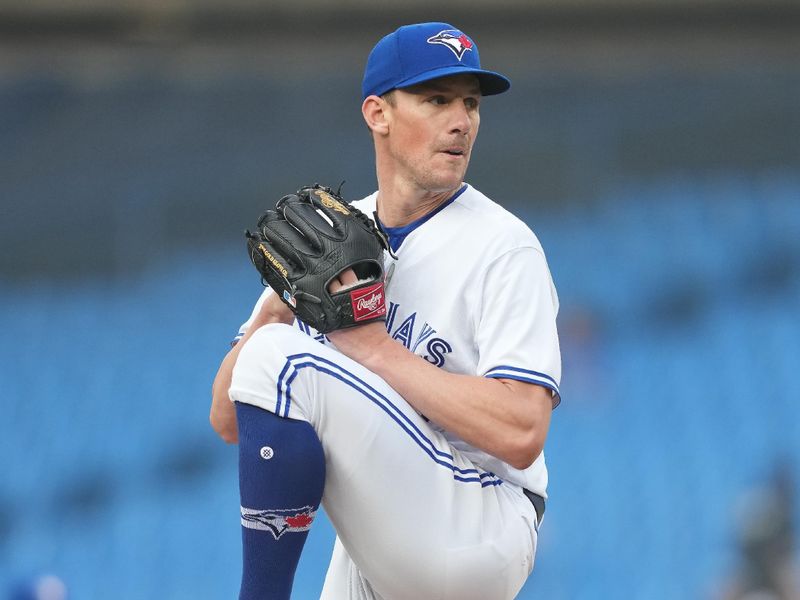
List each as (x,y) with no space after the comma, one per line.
(223,413)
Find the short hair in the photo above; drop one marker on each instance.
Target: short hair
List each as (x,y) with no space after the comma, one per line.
(389,97)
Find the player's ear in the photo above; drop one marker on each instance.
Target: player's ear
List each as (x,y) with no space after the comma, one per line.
(374,109)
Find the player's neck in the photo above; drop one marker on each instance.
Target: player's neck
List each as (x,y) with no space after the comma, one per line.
(398,206)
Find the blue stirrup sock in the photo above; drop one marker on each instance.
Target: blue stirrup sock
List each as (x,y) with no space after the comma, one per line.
(281,479)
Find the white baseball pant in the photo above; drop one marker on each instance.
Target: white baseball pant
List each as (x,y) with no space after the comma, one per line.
(415,520)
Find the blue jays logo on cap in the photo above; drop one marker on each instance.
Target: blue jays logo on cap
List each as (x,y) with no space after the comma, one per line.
(457,41)
(413,54)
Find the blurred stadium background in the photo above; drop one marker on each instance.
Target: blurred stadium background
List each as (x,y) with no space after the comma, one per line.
(653,146)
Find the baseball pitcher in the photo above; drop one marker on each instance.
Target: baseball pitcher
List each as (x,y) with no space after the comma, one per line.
(402,365)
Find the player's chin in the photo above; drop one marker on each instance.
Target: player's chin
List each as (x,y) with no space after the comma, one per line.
(442,185)
(450,176)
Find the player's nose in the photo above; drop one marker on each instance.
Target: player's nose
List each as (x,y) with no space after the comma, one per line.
(459,118)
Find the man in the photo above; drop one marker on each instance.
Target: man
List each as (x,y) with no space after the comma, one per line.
(424,433)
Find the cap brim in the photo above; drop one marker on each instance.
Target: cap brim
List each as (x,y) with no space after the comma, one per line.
(491,83)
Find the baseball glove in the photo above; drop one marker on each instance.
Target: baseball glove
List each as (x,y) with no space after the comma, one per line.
(311,237)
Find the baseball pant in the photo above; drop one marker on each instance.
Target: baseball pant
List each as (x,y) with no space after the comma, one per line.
(414,518)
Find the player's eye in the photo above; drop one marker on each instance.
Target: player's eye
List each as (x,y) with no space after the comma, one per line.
(471,103)
(438,100)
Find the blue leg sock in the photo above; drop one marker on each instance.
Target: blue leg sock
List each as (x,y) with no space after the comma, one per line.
(281,479)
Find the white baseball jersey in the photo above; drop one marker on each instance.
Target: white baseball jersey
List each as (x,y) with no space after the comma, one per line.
(470,292)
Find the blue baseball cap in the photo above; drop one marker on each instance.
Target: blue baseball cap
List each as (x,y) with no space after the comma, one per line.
(416,53)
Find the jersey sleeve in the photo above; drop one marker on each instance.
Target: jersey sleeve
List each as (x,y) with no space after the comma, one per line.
(516,331)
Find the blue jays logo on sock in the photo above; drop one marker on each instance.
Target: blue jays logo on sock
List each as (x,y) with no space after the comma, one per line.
(278,521)
(457,41)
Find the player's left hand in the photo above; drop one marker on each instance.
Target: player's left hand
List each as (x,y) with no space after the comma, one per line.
(345,279)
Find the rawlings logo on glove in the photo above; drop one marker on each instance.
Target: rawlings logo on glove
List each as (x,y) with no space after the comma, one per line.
(368,303)
(310,238)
